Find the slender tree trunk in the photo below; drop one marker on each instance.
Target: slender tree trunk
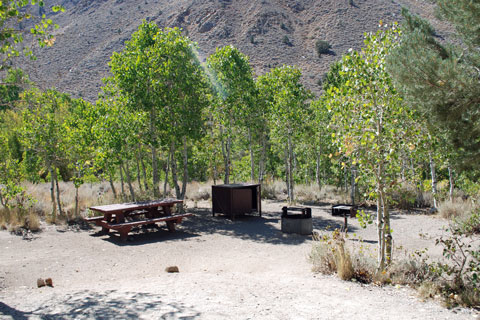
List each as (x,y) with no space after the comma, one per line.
(261,169)
(287,178)
(155,175)
(3,201)
(215,172)
(419,190)
(387,232)
(174,171)
(317,170)
(138,172)
(225,157)
(167,169)
(59,204)
(110,179)
(144,171)
(52,195)
(252,160)
(185,169)
(290,168)
(381,219)
(76,202)
(380,233)
(451,181)
(156,178)
(434,179)
(129,180)
(353,185)
(121,181)
(229,160)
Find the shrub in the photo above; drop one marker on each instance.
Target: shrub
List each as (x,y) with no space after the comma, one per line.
(454,209)
(405,197)
(455,279)
(287,41)
(322,47)
(273,190)
(330,255)
(32,222)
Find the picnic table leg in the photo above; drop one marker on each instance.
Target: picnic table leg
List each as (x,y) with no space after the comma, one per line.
(167,210)
(105,230)
(124,232)
(170,225)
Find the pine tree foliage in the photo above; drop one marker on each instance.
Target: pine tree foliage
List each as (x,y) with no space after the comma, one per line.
(442,79)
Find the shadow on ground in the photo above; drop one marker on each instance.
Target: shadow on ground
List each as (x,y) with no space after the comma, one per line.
(111,304)
(266,228)
(251,227)
(140,236)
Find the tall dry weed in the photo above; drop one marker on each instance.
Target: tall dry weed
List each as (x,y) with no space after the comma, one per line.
(455,209)
(330,255)
(274,190)
(197,191)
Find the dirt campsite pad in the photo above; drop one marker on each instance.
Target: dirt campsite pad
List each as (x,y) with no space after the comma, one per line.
(243,269)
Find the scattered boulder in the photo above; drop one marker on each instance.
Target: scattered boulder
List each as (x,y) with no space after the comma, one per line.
(49,282)
(172,269)
(40,282)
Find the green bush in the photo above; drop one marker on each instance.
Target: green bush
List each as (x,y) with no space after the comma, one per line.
(287,41)
(322,47)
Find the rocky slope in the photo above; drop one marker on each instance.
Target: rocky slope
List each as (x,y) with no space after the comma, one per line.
(271,32)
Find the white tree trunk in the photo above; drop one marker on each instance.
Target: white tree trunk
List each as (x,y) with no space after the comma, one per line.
(252,159)
(110,179)
(173,165)
(129,180)
(121,182)
(137,158)
(261,166)
(167,169)
(59,203)
(291,195)
(155,175)
(52,194)
(434,179)
(451,181)
(185,169)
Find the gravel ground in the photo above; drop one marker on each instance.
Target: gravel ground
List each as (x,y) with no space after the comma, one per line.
(245,269)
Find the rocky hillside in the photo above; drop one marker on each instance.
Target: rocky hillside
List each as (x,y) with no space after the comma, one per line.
(271,32)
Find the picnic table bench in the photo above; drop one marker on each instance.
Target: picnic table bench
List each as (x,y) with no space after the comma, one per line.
(123,217)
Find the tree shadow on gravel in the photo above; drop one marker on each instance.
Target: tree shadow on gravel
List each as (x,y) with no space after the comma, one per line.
(140,236)
(253,227)
(110,304)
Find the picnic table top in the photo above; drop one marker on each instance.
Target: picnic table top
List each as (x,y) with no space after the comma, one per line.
(120,207)
(237,185)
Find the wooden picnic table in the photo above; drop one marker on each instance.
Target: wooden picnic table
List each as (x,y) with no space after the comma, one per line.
(124,216)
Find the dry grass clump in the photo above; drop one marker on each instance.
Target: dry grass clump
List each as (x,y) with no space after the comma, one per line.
(274,190)
(89,194)
(330,255)
(32,222)
(405,197)
(412,271)
(432,279)
(455,209)
(332,194)
(308,193)
(199,191)
(15,219)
